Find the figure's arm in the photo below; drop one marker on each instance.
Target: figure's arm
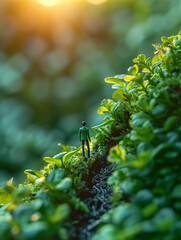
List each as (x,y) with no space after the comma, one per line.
(79,135)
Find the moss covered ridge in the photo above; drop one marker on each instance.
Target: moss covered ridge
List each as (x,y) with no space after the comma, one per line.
(130,186)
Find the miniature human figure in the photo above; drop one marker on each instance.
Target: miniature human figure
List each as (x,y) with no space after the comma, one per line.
(84,137)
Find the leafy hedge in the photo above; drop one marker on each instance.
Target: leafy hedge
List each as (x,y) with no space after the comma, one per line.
(143,126)
(41,208)
(146,180)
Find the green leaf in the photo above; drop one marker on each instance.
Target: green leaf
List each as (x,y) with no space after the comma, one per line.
(156,64)
(70,154)
(140,59)
(139,78)
(155,59)
(34,230)
(55,176)
(133,70)
(130,84)
(178,42)
(142,159)
(103,110)
(65,184)
(145,70)
(160,148)
(169,123)
(34,173)
(127,215)
(149,210)
(128,78)
(164,218)
(120,76)
(116,86)
(159,109)
(61,214)
(117,154)
(119,95)
(96,131)
(140,118)
(143,104)
(52,160)
(115,80)
(59,155)
(143,197)
(176,192)
(108,103)
(107,123)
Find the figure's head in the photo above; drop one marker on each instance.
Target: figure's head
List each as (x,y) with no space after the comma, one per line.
(83,123)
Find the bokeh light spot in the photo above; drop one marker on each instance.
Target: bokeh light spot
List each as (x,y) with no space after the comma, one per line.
(97,2)
(49,3)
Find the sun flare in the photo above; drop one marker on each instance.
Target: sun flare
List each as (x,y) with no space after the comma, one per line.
(49,3)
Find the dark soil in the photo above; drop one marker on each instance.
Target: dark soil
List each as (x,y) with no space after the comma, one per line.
(96,194)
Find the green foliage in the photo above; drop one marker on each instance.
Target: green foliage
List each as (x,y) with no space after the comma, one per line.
(144,129)
(51,75)
(114,125)
(147,175)
(41,207)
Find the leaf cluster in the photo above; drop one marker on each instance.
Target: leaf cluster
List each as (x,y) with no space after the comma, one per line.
(42,206)
(146,177)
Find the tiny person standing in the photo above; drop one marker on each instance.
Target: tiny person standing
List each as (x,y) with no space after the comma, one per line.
(84,137)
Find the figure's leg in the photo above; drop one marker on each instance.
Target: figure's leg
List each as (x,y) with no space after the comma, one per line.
(88,148)
(83,152)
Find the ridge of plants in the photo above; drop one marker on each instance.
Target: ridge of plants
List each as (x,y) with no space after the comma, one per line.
(146,177)
(142,127)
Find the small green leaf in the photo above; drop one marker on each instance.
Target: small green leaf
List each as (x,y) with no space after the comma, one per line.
(155,59)
(140,118)
(52,160)
(139,78)
(164,218)
(70,154)
(61,214)
(140,59)
(169,123)
(159,109)
(160,148)
(55,176)
(115,80)
(128,78)
(133,70)
(119,95)
(156,64)
(60,155)
(130,84)
(65,184)
(143,197)
(108,103)
(102,110)
(107,123)
(176,192)
(149,210)
(35,230)
(117,154)
(178,42)
(35,173)
(145,70)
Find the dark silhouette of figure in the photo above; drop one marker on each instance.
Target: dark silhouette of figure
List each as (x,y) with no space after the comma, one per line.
(84,137)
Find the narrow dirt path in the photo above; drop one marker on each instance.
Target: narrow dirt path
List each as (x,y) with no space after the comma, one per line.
(96,195)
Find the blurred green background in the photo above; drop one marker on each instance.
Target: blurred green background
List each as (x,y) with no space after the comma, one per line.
(52,64)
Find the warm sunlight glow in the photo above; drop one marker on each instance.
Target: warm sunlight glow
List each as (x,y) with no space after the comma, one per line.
(49,3)
(97,2)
